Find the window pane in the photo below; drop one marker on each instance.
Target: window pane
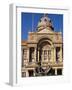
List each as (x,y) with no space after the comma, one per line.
(49,54)
(45,54)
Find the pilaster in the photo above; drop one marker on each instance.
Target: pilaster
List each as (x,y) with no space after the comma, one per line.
(60,54)
(55,71)
(54,54)
(38,55)
(28,51)
(35,54)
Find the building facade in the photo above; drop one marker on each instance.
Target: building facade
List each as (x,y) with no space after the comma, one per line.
(42,53)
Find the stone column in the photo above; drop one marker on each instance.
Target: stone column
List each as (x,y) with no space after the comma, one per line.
(28,51)
(34,73)
(55,71)
(60,54)
(35,54)
(54,54)
(22,57)
(42,55)
(27,74)
(38,55)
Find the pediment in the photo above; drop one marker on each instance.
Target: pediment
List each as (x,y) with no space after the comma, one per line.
(45,31)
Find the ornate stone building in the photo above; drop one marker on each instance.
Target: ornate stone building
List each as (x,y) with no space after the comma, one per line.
(42,53)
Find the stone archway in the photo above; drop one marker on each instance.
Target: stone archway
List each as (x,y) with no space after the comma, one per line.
(44,49)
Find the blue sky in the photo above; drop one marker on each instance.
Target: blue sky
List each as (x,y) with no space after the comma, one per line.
(27,18)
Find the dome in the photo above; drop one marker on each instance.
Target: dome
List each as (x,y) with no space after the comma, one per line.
(45,22)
